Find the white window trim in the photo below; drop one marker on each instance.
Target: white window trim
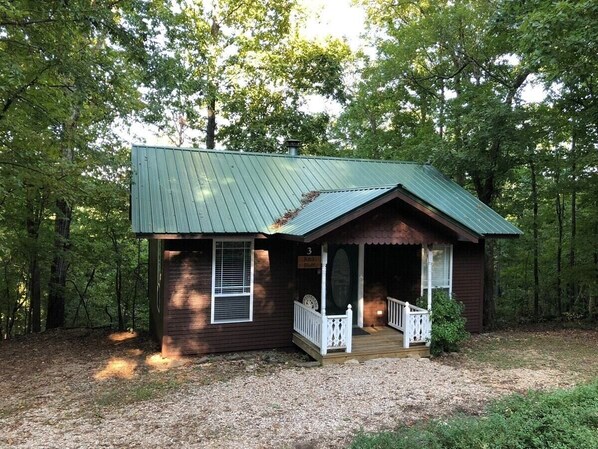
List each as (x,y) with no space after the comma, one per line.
(231,239)
(424,280)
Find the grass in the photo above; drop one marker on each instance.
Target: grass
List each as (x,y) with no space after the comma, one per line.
(561,419)
(571,351)
(127,393)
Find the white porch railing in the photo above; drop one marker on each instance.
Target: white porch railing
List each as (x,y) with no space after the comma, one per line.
(413,321)
(308,323)
(326,332)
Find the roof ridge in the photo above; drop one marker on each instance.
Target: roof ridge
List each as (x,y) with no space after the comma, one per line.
(281,155)
(355,189)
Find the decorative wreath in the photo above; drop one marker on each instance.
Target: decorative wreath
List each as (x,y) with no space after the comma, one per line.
(310,301)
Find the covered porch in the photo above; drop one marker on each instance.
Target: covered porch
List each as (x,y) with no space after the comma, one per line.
(371,325)
(363,258)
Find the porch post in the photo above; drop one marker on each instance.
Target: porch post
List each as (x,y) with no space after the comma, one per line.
(349,328)
(360,280)
(323,290)
(324,342)
(430,255)
(406,325)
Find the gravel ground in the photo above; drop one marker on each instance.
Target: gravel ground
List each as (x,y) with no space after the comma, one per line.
(81,390)
(297,407)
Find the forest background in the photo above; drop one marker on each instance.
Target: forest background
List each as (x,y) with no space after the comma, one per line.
(440,82)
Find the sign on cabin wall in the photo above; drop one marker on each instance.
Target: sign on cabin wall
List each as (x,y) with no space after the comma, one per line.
(309,262)
(310,257)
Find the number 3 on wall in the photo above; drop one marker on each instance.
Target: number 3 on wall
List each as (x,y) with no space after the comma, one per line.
(309,251)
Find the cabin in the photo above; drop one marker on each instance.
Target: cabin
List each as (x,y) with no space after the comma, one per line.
(251,251)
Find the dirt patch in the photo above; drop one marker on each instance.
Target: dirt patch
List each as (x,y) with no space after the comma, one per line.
(92,370)
(82,388)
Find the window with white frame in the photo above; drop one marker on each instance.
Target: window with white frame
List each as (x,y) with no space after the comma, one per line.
(442,269)
(232,286)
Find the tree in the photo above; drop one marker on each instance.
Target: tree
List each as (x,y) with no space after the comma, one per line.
(446,88)
(67,72)
(245,65)
(559,42)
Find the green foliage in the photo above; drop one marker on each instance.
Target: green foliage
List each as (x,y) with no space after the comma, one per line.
(448,323)
(440,90)
(448,86)
(566,419)
(68,74)
(246,65)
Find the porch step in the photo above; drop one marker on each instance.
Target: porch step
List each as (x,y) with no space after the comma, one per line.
(384,343)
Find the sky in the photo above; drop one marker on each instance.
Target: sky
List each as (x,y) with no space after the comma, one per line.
(338,18)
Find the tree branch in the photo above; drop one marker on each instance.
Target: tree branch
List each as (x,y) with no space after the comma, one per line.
(8,103)
(24,23)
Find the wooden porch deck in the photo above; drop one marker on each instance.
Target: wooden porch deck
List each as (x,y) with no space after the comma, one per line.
(381,342)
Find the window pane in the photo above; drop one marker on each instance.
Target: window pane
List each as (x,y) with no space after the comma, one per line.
(231,308)
(232,276)
(441,267)
(233,267)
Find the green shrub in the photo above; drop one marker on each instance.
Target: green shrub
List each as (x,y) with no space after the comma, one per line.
(564,419)
(448,324)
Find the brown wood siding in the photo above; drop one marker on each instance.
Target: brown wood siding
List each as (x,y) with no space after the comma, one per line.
(392,223)
(188,310)
(468,281)
(389,270)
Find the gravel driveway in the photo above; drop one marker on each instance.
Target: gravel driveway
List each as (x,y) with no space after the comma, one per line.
(84,389)
(293,407)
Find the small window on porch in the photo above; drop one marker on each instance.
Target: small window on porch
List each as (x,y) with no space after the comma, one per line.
(232,294)
(442,269)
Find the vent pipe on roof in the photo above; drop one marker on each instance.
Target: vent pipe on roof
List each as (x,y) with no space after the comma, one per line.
(293,146)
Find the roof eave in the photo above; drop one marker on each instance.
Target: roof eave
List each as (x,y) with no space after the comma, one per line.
(514,235)
(399,192)
(342,219)
(463,232)
(198,236)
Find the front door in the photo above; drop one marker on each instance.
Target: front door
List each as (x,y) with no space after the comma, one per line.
(341,280)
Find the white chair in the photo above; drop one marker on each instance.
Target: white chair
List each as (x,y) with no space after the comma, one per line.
(310,301)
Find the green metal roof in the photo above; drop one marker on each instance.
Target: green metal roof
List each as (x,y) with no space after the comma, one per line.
(328,206)
(191,191)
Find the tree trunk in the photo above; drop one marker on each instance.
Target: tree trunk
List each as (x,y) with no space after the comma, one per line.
(536,242)
(118,290)
(489,280)
(56,296)
(35,298)
(571,284)
(211,126)
(62,230)
(593,293)
(33,223)
(559,254)
(118,281)
(136,287)
(592,301)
